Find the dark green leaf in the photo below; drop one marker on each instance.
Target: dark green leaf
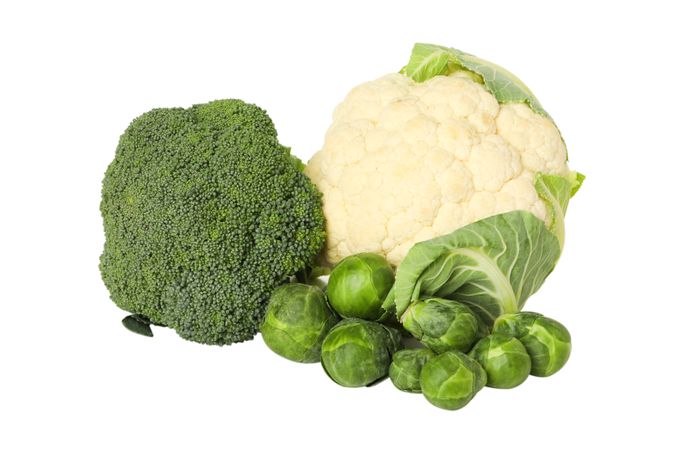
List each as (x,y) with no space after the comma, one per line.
(138,324)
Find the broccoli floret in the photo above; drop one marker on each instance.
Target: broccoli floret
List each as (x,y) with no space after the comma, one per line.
(205,213)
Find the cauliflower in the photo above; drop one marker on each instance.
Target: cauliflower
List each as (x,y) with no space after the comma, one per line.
(405,161)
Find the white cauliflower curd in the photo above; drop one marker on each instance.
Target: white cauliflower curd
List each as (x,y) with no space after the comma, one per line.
(406,161)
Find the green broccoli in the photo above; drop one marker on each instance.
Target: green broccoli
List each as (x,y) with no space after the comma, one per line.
(205,213)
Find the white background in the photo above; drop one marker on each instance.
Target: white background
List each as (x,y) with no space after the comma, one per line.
(73,75)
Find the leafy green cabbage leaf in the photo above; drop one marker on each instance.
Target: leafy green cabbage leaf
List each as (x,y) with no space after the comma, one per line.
(555,191)
(429,60)
(492,265)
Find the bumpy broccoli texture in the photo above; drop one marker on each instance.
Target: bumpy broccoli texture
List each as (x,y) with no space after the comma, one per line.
(205,213)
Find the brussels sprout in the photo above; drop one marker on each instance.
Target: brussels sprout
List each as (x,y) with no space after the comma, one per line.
(358,353)
(358,286)
(547,342)
(405,368)
(442,324)
(450,380)
(504,359)
(296,322)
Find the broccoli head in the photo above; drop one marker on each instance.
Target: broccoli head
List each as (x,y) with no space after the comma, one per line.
(205,213)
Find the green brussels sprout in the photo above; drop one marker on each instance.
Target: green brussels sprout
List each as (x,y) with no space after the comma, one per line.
(547,342)
(358,353)
(406,366)
(297,320)
(442,324)
(450,380)
(358,286)
(504,359)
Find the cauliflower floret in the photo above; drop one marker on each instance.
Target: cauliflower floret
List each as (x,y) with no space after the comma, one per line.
(404,162)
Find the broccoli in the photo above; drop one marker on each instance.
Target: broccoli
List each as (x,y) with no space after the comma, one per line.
(204,214)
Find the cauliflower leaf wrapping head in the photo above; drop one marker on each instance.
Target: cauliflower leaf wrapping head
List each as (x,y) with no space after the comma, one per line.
(449,141)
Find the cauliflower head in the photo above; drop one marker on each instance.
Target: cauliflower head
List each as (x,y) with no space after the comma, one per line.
(405,161)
